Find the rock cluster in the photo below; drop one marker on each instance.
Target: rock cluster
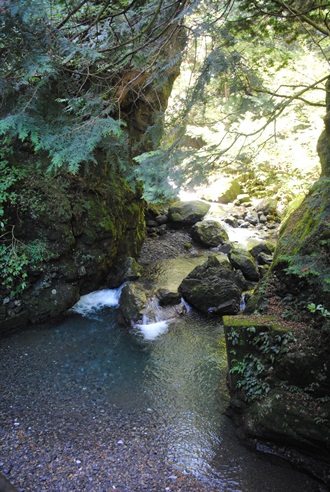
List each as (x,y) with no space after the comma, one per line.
(215,287)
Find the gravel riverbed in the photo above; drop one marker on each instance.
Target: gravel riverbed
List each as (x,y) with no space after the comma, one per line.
(76,450)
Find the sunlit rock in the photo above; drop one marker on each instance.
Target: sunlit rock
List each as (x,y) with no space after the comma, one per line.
(132,302)
(209,233)
(231,192)
(188,213)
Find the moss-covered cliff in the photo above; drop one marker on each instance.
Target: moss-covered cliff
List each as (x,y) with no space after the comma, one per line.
(281,394)
(67,232)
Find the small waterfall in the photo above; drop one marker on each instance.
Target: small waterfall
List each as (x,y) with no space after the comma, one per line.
(97,300)
(244,299)
(154,321)
(151,331)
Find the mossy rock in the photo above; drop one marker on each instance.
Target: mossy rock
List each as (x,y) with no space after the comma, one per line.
(212,288)
(301,260)
(210,233)
(250,338)
(293,420)
(231,193)
(133,301)
(188,213)
(243,260)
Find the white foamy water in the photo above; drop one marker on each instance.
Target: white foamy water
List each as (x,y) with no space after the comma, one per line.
(151,331)
(97,300)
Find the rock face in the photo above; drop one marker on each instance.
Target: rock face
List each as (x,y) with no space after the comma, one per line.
(74,233)
(266,369)
(290,415)
(75,230)
(125,269)
(209,232)
(212,288)
(188,213)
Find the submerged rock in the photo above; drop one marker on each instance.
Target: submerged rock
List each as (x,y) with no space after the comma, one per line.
(213,288)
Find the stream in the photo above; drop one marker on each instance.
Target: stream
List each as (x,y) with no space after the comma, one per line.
(89,405)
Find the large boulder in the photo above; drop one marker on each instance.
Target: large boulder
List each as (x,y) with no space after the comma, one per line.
(243,260)
(209,232)
(188,213)
(213,288)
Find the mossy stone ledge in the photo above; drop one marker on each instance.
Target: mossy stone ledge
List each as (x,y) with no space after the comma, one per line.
(274,414)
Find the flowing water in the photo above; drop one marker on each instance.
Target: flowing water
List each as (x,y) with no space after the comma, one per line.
(172,373)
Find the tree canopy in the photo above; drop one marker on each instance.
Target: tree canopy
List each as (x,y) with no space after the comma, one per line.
(249,65)
(68,66)
(72,72)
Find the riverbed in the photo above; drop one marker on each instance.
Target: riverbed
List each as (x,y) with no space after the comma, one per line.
(90,405)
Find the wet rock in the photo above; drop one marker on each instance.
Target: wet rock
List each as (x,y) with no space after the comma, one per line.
(167,297)
(132,302)
(212,288)
(232,221)
(14,323)
(209,233)
(244,261)
(188,213)
(5,485)
(52,300)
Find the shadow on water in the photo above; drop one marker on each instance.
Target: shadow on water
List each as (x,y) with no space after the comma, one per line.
(177,377)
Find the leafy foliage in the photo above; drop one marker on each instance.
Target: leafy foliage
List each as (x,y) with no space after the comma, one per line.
(72,72)
(251,73)
(255,367)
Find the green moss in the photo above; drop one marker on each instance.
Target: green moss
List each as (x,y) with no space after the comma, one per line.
(257,321)
(303,248)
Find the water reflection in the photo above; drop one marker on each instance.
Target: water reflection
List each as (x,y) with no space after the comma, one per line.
(182,377)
